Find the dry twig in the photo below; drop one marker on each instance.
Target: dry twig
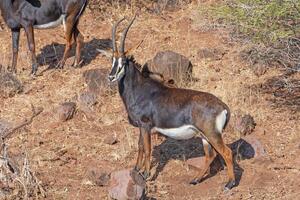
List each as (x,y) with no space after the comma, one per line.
(26,122)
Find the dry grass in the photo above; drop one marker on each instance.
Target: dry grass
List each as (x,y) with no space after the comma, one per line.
(63,153)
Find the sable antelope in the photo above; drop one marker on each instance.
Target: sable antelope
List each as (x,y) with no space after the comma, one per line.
(30,14)
(175,112)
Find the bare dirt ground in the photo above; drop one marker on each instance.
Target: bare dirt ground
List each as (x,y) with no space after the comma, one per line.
(63,153)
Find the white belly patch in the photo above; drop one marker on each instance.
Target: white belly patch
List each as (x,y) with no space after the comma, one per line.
(184,132)
(59,21)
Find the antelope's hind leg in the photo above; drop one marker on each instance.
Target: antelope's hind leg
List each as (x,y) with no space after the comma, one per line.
(69,29)
(210,155)
(217,142)
(78,37)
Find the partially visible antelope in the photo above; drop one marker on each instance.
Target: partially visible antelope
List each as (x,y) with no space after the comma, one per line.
(31,14)
(175,112)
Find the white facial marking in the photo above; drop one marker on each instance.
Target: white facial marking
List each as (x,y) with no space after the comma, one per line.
(221,120)
(120,63)
(53,24)
(184,132)
(120,69)
(113,62)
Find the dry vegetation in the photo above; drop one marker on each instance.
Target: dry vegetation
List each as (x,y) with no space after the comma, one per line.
(62,154)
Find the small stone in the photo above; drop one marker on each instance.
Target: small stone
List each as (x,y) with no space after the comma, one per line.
(4,126)
(248,147)
(103,180)
(97,81)
(196,163)
(245,125)
(99,178)
(110,139)
(127,184)
(9,85)
(256,145)
(87,98)
(66,111)
(259,70)
(210,53)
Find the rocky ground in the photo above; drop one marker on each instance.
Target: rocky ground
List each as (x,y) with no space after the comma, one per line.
(68,148)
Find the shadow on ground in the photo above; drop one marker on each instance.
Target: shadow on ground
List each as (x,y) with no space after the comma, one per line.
(192,148)
(51,54)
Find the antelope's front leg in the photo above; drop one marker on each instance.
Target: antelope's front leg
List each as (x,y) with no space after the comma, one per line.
(15,49)
(139,162)
(31,45)
(147,150)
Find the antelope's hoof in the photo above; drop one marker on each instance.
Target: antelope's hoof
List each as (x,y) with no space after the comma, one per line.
(33,73)
(145,175)
(77,64)
(195,181)
(12,70)
(60,65)
(229,185)
(136,168)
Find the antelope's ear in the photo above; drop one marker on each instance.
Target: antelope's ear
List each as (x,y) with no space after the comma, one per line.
(106,53)
(145,70)
(132,49)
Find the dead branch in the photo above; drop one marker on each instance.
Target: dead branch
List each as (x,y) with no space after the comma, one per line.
(25,122)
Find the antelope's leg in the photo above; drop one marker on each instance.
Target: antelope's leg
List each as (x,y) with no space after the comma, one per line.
(139,162)
(31,45)
(78,37)
(217,142)
(15,49)
(68,35)
(210,155)
(147,149)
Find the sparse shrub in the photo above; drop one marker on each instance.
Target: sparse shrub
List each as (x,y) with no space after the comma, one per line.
(274,24)
(262,20)
(152,6)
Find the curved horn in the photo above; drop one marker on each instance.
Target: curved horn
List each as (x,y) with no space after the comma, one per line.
(122,45)
(114,45)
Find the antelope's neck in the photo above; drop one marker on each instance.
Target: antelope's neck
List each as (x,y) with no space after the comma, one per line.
(129,83)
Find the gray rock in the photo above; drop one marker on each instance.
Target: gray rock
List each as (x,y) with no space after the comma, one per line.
(66,111)
(4,126)
(172,66)
(97,81)
(245,125)
(259,69)
(87,98)
(196,163)
(9,85)
(126,184)
(249,147)
(259,150)
(110,139)
(99,178)
(210,53)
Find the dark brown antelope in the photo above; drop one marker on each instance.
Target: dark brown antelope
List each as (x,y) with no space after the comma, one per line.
(175,112)
(30,14)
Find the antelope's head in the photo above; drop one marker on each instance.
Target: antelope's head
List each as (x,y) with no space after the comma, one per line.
(119,56)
